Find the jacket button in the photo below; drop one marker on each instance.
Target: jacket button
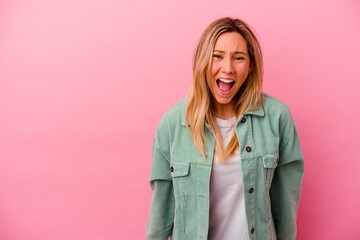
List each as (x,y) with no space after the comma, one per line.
(248,149)
(252,230)
(251,190)
(171,169)
(243,120)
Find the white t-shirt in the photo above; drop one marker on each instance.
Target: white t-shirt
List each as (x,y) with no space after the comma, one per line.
(227,205)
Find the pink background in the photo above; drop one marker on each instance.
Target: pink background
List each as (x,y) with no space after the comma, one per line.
(83,85)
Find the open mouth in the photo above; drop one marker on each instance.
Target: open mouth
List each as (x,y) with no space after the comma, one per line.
(224,85)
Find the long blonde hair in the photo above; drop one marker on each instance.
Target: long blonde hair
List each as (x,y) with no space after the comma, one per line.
(200,106)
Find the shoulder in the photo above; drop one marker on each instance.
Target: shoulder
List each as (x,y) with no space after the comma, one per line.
(278,114)
(174,115)
(169,123)
(176,111)
(274,107)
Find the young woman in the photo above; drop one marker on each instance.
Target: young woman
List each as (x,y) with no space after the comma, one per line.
(226,162)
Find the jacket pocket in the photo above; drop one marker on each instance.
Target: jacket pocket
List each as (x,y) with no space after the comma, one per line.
(180,172)
(270,162)
(179,169)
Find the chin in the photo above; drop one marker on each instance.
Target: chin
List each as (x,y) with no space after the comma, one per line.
(223,101)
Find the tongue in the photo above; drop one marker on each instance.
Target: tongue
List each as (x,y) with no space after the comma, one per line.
(224,86)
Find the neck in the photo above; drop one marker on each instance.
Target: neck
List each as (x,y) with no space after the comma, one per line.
(224,111)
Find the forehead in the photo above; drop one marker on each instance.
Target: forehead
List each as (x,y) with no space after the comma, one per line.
(231,42)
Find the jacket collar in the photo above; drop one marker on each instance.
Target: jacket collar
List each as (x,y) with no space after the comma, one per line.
(257,112)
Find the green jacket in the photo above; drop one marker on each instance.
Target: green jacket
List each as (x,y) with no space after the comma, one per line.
(272,167)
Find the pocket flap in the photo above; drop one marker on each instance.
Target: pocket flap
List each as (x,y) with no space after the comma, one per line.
(270,160)
(179,169)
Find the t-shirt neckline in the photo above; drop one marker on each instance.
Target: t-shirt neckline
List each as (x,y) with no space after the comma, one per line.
(225,123)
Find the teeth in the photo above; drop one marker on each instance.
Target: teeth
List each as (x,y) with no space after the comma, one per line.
(226,81)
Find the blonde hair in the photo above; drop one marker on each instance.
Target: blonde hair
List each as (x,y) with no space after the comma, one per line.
(200,106)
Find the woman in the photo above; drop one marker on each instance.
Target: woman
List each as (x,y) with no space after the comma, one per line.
(226,161)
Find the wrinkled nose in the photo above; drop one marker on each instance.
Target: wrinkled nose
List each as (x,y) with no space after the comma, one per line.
(227,66)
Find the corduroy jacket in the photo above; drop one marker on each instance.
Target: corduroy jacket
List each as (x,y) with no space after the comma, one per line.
(272,168)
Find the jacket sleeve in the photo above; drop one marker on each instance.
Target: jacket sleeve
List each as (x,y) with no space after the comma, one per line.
(286,185)
(161,214)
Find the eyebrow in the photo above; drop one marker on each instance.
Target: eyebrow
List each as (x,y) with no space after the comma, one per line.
(234,52)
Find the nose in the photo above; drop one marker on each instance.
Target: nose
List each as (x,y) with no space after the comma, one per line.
(227,66)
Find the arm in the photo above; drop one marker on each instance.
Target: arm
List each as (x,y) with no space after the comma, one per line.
(286,185)
(161,215)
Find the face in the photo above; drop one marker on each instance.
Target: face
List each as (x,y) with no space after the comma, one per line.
(230,68)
